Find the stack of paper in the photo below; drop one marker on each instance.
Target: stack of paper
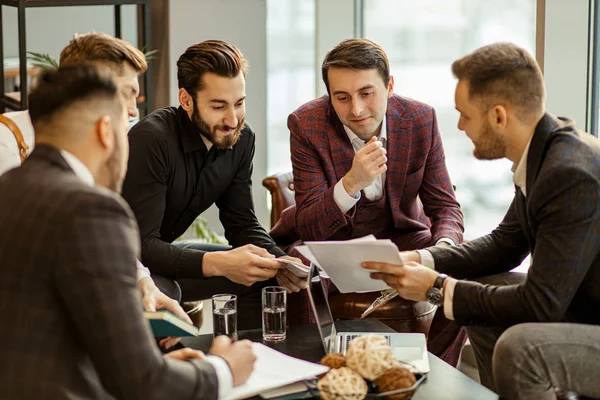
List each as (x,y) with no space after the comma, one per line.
(342,260)
(274,369)
(300,270)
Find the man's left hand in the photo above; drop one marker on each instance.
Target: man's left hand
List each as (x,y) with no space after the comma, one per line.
(411,280)
(288,279)
(153,299)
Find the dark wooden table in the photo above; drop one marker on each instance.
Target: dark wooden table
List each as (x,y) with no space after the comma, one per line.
(443,382)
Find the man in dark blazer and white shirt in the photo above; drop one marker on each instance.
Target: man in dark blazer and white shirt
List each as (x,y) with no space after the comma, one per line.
(555,214)
(71,315)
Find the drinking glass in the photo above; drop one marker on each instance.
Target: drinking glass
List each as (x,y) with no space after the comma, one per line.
(224,309)
(274,311)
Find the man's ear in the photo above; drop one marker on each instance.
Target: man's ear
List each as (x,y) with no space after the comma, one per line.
(498,116)
(186,100)
(104,133)
(390,87)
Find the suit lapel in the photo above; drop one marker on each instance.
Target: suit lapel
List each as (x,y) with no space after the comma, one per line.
(399,138)
(340,147)
(535,158)
(538,147)
(523,216)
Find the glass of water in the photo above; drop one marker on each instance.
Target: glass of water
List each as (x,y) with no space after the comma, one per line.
(274,305)
(224,309)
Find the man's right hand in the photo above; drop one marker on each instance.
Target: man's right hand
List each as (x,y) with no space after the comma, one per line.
(238,355)
(245,265)
(368,163)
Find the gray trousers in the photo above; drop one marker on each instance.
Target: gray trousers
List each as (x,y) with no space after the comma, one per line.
(483,339)
(533,360)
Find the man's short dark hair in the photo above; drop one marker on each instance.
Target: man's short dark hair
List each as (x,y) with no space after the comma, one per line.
(57,90)
(360,54)
(503,73)
(214,56)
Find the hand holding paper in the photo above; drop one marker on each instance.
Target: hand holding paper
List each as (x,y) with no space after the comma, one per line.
(298,269)
(342,261)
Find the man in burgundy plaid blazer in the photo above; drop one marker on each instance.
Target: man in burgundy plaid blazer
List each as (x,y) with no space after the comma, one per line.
(367,161)
(416,187)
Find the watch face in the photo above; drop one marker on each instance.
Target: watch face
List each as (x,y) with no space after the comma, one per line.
(435,297)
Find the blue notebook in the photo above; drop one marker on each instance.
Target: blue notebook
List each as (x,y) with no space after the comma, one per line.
(165,323)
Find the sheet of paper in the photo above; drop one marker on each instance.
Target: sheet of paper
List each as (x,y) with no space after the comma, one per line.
(305,251)
(274,369)
(342,261)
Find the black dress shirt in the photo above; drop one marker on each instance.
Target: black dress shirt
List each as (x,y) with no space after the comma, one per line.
(172,178)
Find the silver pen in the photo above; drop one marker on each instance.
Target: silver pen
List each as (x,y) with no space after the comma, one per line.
(386,296)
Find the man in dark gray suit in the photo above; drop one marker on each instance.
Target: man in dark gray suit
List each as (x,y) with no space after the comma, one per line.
(70,312)
(555,214)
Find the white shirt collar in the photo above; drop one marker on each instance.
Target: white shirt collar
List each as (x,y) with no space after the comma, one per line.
(382,135)
(78,167)
(520,170)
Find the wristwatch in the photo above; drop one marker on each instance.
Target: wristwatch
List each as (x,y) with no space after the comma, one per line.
(435,295)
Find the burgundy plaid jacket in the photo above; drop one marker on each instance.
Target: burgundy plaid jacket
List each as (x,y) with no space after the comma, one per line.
(322,154)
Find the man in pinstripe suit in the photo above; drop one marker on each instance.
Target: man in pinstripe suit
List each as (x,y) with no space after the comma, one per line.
(70,312)
(554,216)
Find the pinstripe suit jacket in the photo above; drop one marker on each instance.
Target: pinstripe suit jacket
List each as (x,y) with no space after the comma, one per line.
(322,154)
(558,222)
(71,323)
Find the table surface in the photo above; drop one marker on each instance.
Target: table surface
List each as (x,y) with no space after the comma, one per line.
(443,382)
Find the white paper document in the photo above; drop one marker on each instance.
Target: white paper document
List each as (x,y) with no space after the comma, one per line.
(342,261)
(274,369)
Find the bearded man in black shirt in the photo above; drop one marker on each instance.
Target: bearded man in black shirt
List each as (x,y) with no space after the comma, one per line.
(182,161)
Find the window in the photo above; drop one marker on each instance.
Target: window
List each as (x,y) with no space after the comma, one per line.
(422,39)
(291,72)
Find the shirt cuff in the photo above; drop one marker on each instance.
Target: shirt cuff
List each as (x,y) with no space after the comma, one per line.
(446,240)
(343,200)
(449,298)
(427,259)
(142,272)
(224,376)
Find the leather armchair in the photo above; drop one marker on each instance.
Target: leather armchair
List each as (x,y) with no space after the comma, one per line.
(399,314)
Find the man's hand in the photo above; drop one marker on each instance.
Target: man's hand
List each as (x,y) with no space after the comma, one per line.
(368,163)
(238,355)
(245,265)
(407,256)
(288,279)
(153,299)
(185,354)
(411,280)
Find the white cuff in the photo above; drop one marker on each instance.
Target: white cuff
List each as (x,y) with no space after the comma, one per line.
(449,298)
(427,259)
(142,272)
(343,200)
(446,240)
(224,376)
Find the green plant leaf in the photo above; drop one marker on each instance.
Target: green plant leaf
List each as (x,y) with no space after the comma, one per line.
(150,55)
(42,60)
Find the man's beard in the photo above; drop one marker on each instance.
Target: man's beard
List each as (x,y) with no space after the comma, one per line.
(489,146)
(219,141)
